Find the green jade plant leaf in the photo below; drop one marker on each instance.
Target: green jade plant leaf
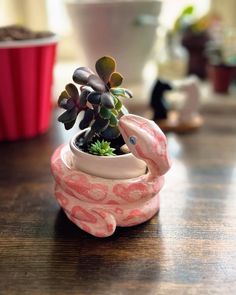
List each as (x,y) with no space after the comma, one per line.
(99,100)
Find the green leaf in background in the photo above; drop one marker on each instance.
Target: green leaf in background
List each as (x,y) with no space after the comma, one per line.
(188,10)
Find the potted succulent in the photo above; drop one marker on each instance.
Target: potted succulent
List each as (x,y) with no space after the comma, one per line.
(194,33)
(221,65)
(112,171)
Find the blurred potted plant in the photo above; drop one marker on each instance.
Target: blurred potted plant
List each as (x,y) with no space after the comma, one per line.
(222,64)
(26,71)
(99,183)
(194,34)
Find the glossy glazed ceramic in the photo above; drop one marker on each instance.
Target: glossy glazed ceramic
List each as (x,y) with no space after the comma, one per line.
(97,205)
(191,88)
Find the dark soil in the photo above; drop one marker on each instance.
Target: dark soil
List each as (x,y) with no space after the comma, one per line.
(15,32)
(115,143)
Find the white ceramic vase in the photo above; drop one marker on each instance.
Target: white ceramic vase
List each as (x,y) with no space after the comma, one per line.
(123,29)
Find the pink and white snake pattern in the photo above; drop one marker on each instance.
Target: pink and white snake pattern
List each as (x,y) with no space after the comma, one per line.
(97,205)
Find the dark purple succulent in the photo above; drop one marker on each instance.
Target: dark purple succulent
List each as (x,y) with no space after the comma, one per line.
(99,99)
(73,103)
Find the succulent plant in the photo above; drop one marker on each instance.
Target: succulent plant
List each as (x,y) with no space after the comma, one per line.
(73,103)
(99,99)
(101,148)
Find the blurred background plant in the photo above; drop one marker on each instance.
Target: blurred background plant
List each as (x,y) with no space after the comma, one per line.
(222,48)
(189,21)
(165,60)
(194,33)
(53,15)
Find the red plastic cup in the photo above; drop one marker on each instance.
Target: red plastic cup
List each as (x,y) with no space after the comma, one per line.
(26,73)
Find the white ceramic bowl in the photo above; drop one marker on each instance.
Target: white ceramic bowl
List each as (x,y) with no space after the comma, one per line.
(111,167)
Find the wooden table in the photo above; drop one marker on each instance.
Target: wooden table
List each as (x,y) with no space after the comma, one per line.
(189,248)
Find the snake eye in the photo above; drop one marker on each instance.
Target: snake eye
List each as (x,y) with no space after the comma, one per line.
(132,140)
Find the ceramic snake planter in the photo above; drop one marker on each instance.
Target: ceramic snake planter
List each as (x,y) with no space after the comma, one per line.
(98,205)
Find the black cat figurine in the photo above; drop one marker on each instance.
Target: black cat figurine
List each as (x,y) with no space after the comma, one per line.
(158,102)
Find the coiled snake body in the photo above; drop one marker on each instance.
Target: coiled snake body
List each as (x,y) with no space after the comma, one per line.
(97,205)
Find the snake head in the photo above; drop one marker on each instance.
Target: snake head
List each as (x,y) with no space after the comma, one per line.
(146,141)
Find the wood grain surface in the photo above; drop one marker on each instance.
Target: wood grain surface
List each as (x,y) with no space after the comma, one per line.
(189,248)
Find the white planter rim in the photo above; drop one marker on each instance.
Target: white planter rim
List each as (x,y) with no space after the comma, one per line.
(109,167)
(30,42)
(78,151)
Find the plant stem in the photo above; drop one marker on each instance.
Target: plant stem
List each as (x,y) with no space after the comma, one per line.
(88,137)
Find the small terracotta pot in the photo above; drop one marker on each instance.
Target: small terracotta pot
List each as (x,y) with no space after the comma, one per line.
(221,77)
